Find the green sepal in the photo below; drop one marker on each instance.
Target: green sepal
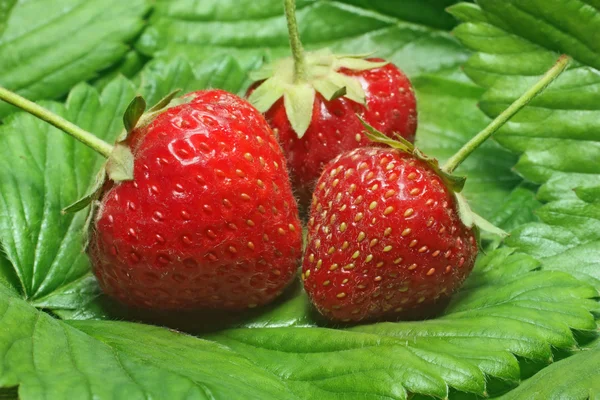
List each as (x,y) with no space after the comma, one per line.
(165,101)
(298,101)
(266,94)
(454,183)
(92,195)
(119,166)
(321,76)
(471,219)
(134,112)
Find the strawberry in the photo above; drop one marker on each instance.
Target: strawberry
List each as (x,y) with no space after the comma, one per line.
(312,100)
(208,221)
(384,236)
(389,105)
(198,211)
(389,233)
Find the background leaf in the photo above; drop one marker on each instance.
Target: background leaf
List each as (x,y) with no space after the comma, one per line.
(463,349)
(249,30)
(48,46)
(516,42)
(579,373)
(5,9)
(52,359)
(42,170)
(566,239)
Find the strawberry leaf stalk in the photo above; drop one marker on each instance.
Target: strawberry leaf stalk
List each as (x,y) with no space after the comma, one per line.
(311,100)
(193,207)
(389,234)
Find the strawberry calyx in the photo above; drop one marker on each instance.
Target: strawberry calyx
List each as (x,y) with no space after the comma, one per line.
(455,183)
(320,75)
(119,164)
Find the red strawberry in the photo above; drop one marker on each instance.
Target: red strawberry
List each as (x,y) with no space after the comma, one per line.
(384,237)
(334,128)
(311,102)
(209,219)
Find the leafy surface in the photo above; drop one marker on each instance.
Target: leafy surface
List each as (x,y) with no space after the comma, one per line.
(558,138)
(52,359)
(5,9)
(48,46)
(248,30)
(285,359)
(573,378)
(566,239)
(42,171)
(516,41)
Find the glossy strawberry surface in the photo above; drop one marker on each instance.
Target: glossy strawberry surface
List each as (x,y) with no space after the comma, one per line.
(384,237)
(335,127)
(209,219)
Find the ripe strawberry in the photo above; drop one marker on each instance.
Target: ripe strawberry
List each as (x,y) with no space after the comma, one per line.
(389,105)
(312,100)
(384,237)
(209,219)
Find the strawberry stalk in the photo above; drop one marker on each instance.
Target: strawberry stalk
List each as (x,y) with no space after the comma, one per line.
(85,137)
(295,43)
(500,120)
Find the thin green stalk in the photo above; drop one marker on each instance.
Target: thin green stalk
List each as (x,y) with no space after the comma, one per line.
(83,136)
(295,43)
(507,114)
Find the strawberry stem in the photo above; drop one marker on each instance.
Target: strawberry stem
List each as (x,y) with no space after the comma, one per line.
(295,43)
(507,114)
(42,113)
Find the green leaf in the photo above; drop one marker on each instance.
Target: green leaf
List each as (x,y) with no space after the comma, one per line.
(161,77)
(470,218)
(502,313)
(427,12)
(8,277)
(42,171)
(516,41)
(5,8)
(50,45)
(506,308)
(250,30)
(52,359)
(130,65)
(517,209)
(567,238)
(579,374)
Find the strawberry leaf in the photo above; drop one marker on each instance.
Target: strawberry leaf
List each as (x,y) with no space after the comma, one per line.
(249,31)
(42,171)
(567,238)
(579,371)
(49,46)
(5,8)
(506,308)
(516,41)
(52,359)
